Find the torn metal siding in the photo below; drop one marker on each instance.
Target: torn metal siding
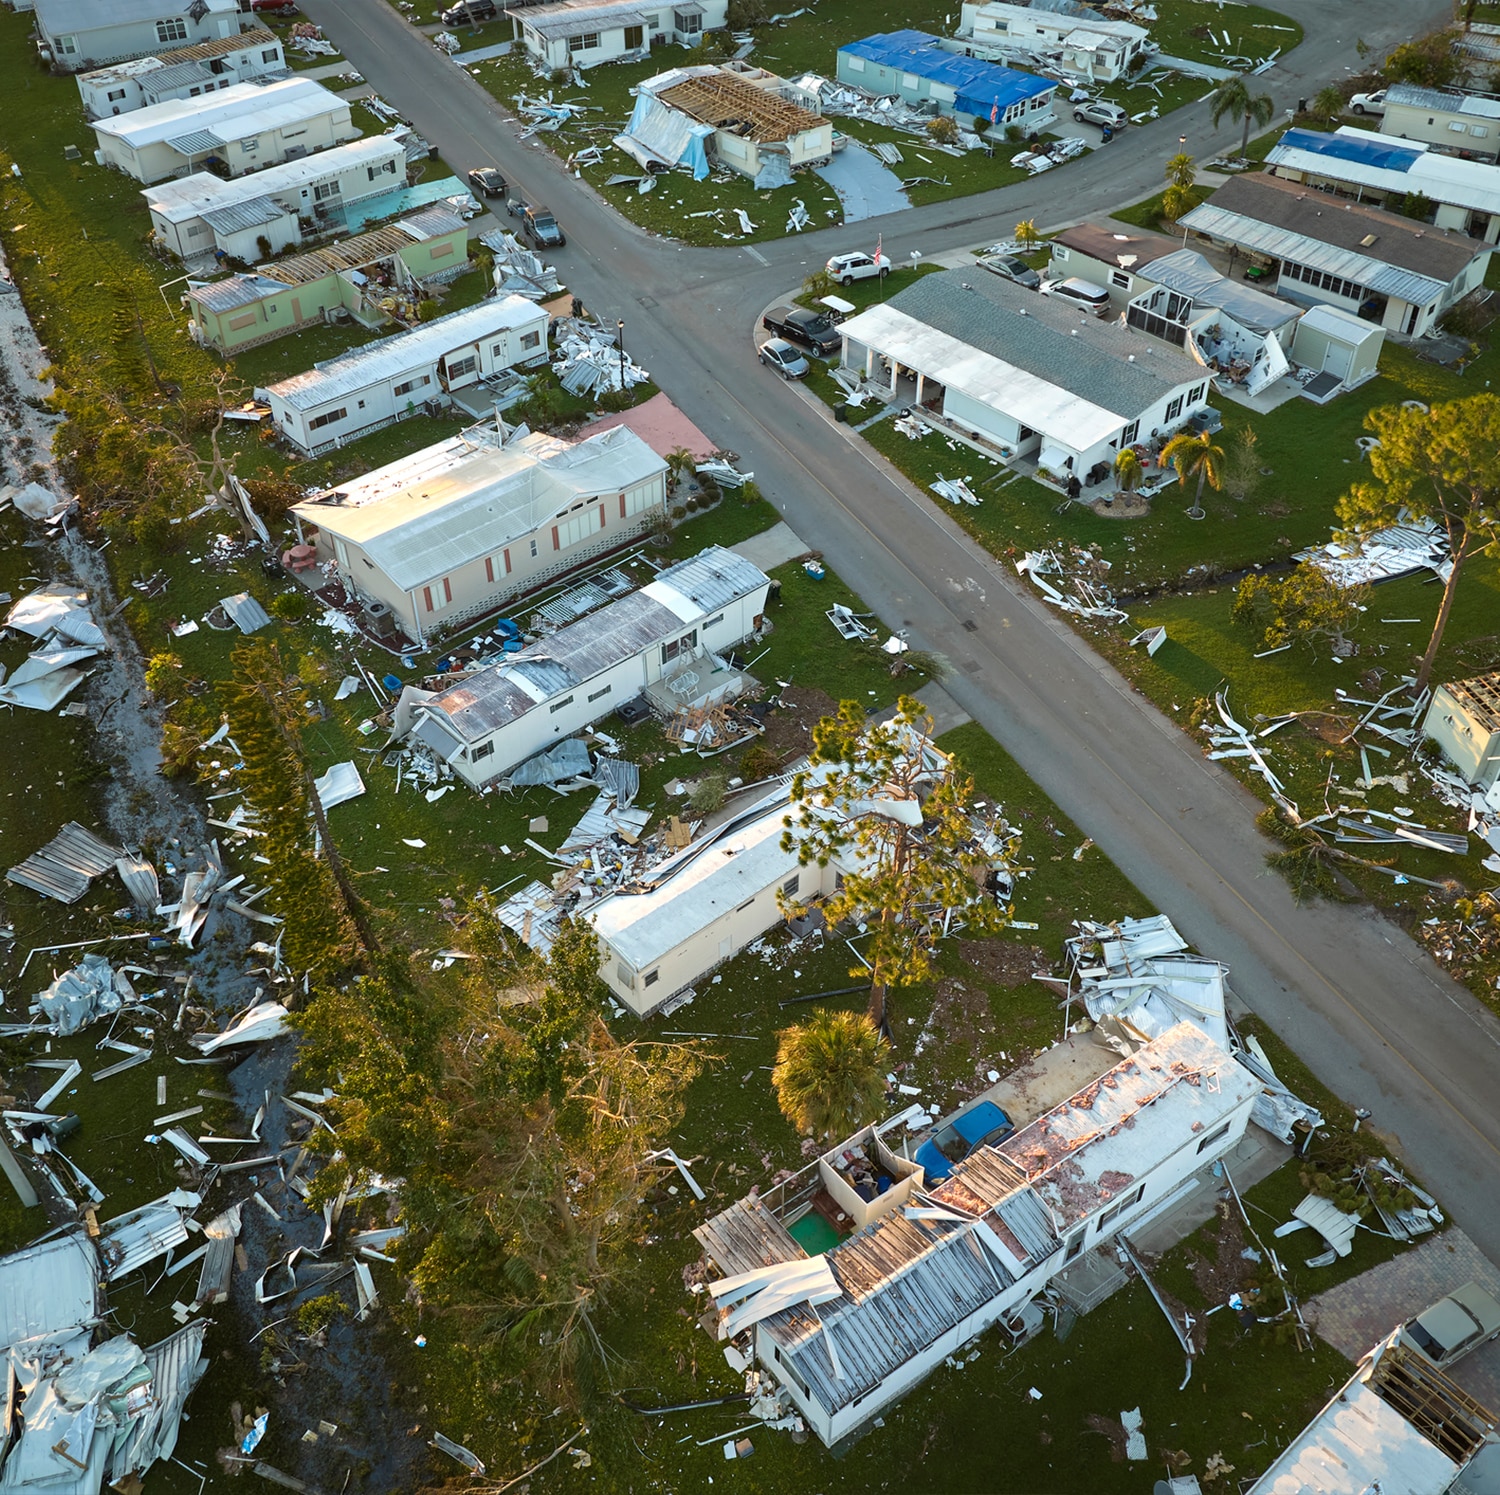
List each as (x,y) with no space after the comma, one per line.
(64,867)
(130,1241)
(48,1289)
(177,1365)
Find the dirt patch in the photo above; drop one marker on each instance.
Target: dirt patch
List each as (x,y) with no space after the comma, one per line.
(1110,1430)
(1329,726)
(961,1013)
(1122,506)
(789,729)
(1226,1271)
(1002,963)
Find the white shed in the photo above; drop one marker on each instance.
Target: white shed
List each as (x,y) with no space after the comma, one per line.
(1331,341)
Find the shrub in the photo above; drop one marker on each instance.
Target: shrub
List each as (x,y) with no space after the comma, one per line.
(678,514)
(315,1315)
(981,124)
(943,130)
(1014,134)
(708,796)
(759,762)
(289,606)
(162,673)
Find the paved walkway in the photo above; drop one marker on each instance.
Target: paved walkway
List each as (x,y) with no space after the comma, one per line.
(771,547)
(865,185)
(1355,1314)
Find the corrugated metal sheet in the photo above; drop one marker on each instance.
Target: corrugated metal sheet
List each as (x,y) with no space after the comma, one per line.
(237,291)
(177,1364)
(178,75)
(745,1237)
(1282,244)
(237,217)
(245,612)
(1187,272)
(361,367)
(63,868)
(48,1288)
(1412,96)
(578,23)
(129,1241)
(712,579)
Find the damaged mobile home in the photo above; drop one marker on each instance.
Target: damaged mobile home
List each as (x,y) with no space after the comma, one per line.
(921,1270)
(664,639)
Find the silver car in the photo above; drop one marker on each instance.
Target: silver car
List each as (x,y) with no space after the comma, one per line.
(1456,1325)
(1008,267)
(784,358)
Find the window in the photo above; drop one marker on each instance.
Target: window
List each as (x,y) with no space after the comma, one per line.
(441,251)
(68,45)
(1114,1212)
(624,975)
(447,590)
(489,568)
(116,93)
(411,384)
(687,25)
(653,21)
(1217,1135)
(197,231)
(327,418)
(1058,252)
(651,978)
(599,695)
(250,143)
(1479,132)
(528,340)
(460,367)
(670,651)
(324,190)
(557,706)
(1129,434)
(1174,409)
(174,30)
(586,41)
(710,622)
(790,886)
(1120,279)
(635,38)
(271,54)
(482,751)
(293,134)
(1075,1246)
(855,64)
(533,550)
(1456,126)
(1196,393)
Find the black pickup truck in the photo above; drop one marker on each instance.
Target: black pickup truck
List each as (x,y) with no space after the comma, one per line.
(808,328)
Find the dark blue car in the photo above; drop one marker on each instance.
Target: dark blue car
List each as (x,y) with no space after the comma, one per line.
(983,1124)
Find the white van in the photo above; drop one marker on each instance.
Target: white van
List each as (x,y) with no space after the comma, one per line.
(1079,293)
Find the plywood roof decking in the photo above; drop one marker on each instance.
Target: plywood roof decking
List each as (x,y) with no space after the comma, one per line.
(729,103)
(222,46)
(1480,697)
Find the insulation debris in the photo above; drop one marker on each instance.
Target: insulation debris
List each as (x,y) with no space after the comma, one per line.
(589,359)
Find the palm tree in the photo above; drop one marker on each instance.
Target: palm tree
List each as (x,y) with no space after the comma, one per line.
(1181,170)
(830,1073)
(1233,97)
(680,461)
(1195,455)
(1128,470)
(1027,235)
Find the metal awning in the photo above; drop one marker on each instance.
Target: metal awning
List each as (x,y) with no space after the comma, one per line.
(196,143)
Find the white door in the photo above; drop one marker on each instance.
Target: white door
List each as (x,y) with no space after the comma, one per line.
(1337,358)
(726,948)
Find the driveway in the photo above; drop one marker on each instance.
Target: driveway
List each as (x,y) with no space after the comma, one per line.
(1357,1313)
(1357,999)
(866,187)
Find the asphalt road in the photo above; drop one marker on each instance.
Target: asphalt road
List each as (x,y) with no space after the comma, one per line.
(1361,1003)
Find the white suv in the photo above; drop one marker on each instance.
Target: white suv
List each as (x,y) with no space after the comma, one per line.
(1102,113)
(847,268)
(1368,103)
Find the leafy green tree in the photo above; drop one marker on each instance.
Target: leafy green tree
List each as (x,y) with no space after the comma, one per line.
(1242,464)
(1301,606)
(1441,465)
(829,1076)
(1181,170)
(818,284)
(325,921)
(1128,469)
(1429,61)
(943,130)
(1195,455)
(1177,202)
(895,817)
(1329,101)
(1233,98)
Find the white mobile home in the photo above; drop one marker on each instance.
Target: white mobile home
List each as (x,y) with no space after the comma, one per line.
(384,381)
(584,33)
(1464,721)
(460,528)
(79,35)
(501,716)
(244,128)
(849,1330)
(183,73)
(201,217)
(1456,122)
(1027,374)
(1071,38)
(1386,268)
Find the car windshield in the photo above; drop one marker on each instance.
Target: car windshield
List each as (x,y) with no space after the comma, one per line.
(1425,1342)
(951,1145)
(810,323)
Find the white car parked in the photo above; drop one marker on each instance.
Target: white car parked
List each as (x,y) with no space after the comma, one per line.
(847,268)
(1368,103)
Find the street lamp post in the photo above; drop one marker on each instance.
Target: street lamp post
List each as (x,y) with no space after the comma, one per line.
(620,339)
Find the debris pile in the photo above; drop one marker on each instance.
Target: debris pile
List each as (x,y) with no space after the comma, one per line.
(57,616)
(308,39)
(1401,550)
(590,359)
(517,270)
(1233,740)
(1081,587)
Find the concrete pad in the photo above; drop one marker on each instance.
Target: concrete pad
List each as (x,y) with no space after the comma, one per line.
(771,547)
(865,186)
(1355,1314)
(662,426)
(946,713)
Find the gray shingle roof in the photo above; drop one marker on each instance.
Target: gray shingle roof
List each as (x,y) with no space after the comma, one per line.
(237,291)
(986,313)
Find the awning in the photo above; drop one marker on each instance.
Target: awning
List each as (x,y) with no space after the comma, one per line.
(1055,459)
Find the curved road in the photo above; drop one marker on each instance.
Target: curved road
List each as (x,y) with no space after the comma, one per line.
(1357,999)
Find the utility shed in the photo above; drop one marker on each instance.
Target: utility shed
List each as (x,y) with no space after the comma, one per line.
(1031,375)
(1464,721)
(462,527)
(1335,343)
(245,127)
(927,72)
(1385,268)
(502,715)
(387,380)
(1399,1426)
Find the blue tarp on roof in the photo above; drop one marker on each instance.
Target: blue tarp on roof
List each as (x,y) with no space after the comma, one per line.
(981,86)
(659,134)
(1368,149)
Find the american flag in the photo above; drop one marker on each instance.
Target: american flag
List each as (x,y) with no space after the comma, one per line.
(995,112)
(879,240)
